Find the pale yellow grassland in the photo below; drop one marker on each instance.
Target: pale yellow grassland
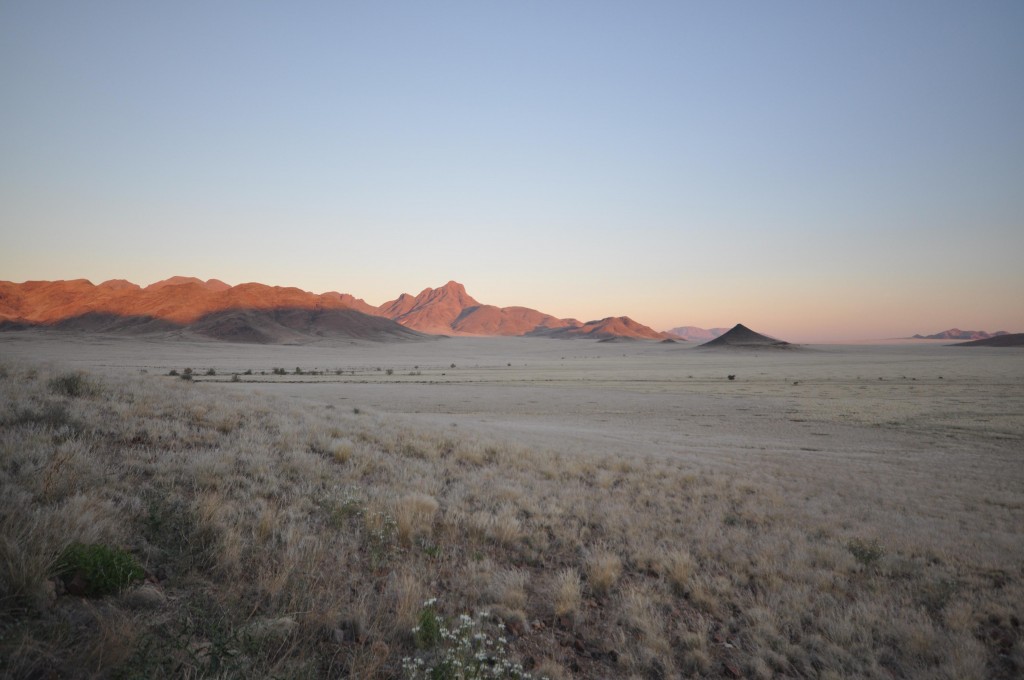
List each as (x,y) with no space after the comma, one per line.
(620,517)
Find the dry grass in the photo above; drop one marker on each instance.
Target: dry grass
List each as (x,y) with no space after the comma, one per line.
(566,593)
(603,569)
(287,542)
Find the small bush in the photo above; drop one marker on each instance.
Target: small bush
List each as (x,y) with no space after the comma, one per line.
(211,372)
(173,372)
(390,371)
(865,552)
(71,385)
(97,570)
(427,632)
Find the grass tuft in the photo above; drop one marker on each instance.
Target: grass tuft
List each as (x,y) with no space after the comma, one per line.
(96,570)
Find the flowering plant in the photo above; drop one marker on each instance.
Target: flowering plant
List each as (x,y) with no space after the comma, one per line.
(466,651)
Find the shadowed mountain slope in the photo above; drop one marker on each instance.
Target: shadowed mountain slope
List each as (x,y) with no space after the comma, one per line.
(286,325)
(1001,340)
(262,326)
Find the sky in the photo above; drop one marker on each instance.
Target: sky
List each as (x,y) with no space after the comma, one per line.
(817,171)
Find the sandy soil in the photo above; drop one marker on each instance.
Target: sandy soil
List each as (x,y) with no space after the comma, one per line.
(923,430)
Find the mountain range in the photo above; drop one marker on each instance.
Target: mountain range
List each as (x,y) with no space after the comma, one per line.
(254,312)
(249,312)
(957,334)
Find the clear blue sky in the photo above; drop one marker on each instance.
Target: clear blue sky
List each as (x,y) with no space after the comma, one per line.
(820,170)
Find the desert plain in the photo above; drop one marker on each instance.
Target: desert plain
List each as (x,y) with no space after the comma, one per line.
(616,509)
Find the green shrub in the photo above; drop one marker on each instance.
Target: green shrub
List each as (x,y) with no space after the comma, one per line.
(865,552)
(96,569)
(428,631)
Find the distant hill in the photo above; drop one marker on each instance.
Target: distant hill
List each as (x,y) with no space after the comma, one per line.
(957,334)
(741,337)
(250,312)
(612,327)
(1000,340)
(695,334)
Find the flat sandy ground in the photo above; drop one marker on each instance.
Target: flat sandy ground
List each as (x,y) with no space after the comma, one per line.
(916,437)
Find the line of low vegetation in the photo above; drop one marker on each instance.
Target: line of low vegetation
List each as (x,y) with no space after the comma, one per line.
(150,528)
